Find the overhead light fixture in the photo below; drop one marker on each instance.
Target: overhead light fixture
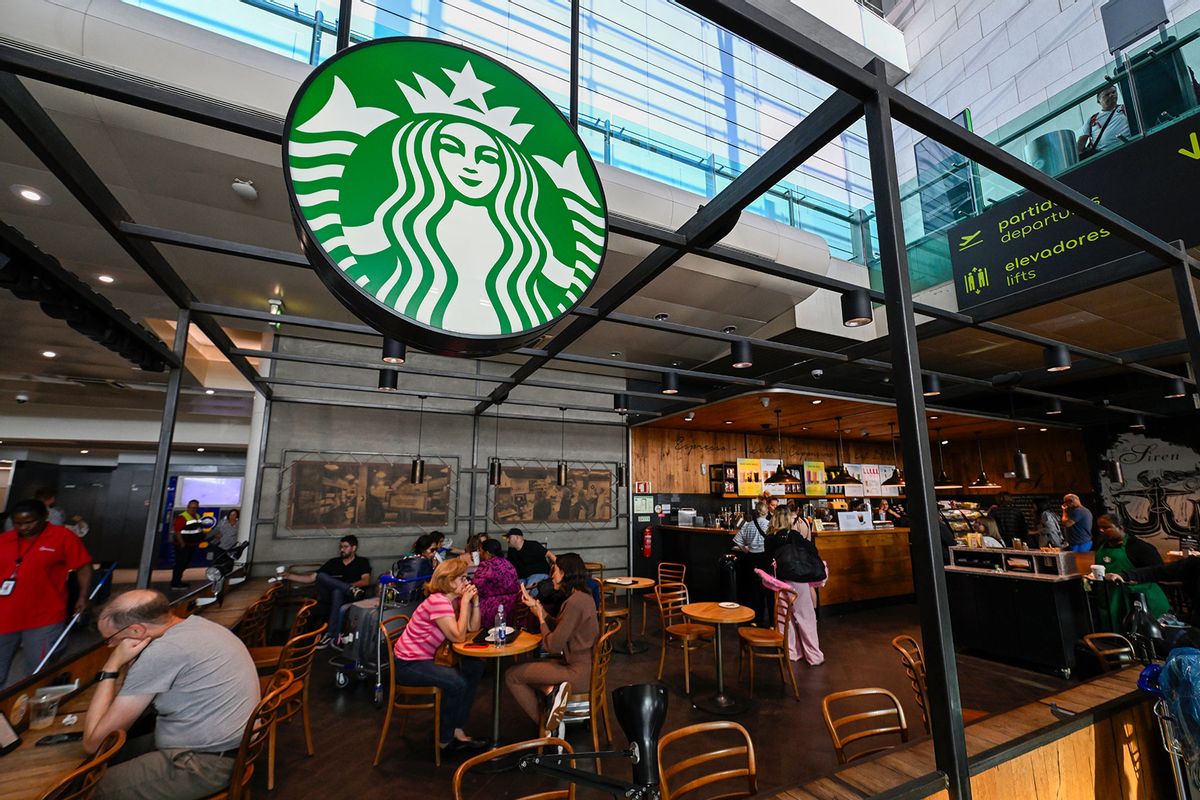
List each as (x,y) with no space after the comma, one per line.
(740,354)
(622,476)
(562,453)
(244,188)
(388,380)
(662,316)
(779,475)
(394,351)
(30,194)
(621,403)
(1057,358)
(210,392)
(1055,407)
(688,417)
(729,329)
(942,481)
(838,476)
(933,416)
(856,308)
(670,383)
(1176,389)
(1043,430)
(931,384)
(1139,422)
(199,449)
(495,468)
(49,354)
(1020,460)
(982,482)
(84,452)
(728,422)
(106,279)
(1116,473)
(418,465)
(817,402)
(897,478)
(275,307)
(615,354)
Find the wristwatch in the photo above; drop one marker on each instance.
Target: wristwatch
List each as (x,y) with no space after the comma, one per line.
(107,676)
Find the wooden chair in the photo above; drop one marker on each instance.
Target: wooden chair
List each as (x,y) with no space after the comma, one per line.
(592,705)
(253,627)
(610,608)
(255,738)
(407,698)
(80,783)
(770,642)
(516,749)
(1112,650)
(672,597)
(595,569)
(268,657)
(887,706)
(914,666)
(668,572)
(296,657)
(674,784)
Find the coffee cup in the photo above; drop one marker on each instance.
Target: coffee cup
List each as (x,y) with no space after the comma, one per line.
(1098,571)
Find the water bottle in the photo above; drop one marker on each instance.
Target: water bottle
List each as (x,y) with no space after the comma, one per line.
(500,631)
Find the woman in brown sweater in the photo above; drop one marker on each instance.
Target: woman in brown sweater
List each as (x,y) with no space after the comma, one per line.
(570,636)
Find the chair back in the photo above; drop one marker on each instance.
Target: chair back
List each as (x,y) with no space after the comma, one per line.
(914,665)
(686,777)
(80,784)
(672,597)
(602,659)
(298,654)
(1112,650)
(533,745)
(595,569)
(881,705)
(256,734)
(300,623)
(785,600)
(671,572)
(253,627)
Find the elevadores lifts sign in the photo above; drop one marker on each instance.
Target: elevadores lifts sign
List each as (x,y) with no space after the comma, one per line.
(1026,242)
(441,197)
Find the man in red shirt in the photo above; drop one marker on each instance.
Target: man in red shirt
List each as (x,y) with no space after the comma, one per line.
(35,558)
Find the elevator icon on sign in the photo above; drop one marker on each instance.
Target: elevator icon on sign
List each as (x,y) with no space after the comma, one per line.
(976,280)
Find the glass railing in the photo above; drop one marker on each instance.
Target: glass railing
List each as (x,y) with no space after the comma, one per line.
(679,135)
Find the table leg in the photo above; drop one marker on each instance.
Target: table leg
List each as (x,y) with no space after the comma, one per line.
(722,703)
(630,646)
(498,764)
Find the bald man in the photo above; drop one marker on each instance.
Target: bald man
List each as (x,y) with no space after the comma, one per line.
(202,683)
(1077,522)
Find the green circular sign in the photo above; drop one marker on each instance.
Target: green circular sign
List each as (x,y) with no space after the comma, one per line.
(441,197)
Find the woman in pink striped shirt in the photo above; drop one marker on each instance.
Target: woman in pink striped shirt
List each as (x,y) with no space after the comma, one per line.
(448,613)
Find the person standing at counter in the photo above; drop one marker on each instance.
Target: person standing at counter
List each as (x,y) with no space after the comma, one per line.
(1077,521)
(750,542)
(1051,528)
(1009,519)
(1123,554)
(794,564)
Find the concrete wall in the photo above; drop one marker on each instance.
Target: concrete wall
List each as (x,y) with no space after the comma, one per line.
(449,433)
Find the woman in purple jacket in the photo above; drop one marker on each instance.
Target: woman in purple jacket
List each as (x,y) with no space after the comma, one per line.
(497,582)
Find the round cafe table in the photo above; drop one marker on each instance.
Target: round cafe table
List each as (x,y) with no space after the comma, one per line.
(723,703)
(523,642)
(630,584)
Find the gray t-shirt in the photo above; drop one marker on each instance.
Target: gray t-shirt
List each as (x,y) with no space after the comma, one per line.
(204,684)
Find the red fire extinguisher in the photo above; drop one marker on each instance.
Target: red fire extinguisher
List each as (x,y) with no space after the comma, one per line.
(647,541)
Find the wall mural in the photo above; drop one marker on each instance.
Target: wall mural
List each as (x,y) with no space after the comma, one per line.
(1160,498)
(530,494)
(332,492)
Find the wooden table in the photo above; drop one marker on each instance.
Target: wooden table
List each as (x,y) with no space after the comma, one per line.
(724,703)
(523,643)
(630,584)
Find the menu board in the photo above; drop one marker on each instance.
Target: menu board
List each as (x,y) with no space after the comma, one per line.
(749,477)
(814,478)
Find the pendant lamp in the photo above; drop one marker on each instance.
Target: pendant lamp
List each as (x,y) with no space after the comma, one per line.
(495,468)
(897,478)
(942,481)
(982,482)
(562,455)
(418,464)
(1020,460)
(780,475)
(838,476)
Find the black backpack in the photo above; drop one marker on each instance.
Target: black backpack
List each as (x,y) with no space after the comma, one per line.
(798,561)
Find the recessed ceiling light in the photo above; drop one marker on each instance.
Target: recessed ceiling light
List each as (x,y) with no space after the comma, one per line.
(1020,427)
(106,279)
(49,354)
(729,329)
(662,316)
(728,422)
(945,441)
(933,416)
(691,415)
(210,391)
(31,194)
(615,354)
(1043,430)
(83,452)
(818,402)
(199,449)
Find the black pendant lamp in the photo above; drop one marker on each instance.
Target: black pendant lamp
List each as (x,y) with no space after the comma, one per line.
(1176,389)
(1020,460)
(982,482)
(562,456)
(897,478)
(622,476)
(495,468)
(1055,407)
(838,476)
(780,474)
(740,354)
(418,464)
(394,351)
(943,481)
(931,385)
(388,380)
(856,308)
(621,403)
(1057,358)
(670,383)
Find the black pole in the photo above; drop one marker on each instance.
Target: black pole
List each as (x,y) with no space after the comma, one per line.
(162,457)
(574,110)
(1189,309)
(945,706)
(345,16)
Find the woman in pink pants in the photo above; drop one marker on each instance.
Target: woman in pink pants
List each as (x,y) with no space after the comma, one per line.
(802,642)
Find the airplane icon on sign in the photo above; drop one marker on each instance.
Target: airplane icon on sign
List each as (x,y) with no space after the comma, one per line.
(969,241)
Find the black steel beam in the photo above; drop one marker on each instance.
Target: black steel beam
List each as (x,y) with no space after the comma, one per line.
(210,244)
(345,18)
(573,99)
(618,364)
(314,401)
(1185,292)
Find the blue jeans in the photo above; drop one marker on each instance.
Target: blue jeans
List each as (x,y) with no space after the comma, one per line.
(34,644)
(534,579)
(336,593)
(458,687)
(1082,547)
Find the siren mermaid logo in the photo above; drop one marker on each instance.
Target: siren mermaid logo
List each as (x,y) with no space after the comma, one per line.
(441,197)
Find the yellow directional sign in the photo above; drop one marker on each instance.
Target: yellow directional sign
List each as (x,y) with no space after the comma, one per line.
(1193,153)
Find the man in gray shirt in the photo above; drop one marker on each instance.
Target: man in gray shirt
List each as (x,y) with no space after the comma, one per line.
(202,683)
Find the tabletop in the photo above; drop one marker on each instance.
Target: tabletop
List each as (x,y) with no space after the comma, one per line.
(30,770)
(713,612)
(636,583)
(523,643)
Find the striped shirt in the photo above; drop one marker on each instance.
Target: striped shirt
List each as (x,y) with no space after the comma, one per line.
(422,636)
(751,536)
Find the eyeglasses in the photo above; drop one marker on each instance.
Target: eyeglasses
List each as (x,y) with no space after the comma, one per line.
(109,641)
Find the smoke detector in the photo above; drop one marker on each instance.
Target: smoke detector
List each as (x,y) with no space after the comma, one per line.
(244,188)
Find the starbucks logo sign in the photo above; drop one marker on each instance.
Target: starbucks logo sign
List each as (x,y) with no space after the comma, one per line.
(441,197)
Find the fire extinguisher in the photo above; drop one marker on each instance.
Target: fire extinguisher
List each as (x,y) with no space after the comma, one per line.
(647,541)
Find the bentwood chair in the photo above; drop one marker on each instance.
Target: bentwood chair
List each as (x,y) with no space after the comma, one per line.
(1112,650)
(592,705)
(80,783)
(880,704)
(771,643)
(255,738)
(297,658)
(611,609)
(668,572)
(595,569)
(518,749)
(914,666)
(695,772)
(268,657)
(407,698)
(678,631)
(253,627)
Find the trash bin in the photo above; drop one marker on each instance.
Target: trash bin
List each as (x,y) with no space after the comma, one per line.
(727,567)
(1052,152)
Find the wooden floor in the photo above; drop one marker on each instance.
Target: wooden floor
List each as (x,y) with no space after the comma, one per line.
(790,738)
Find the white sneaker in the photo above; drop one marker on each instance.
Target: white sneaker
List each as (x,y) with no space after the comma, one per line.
(558,708)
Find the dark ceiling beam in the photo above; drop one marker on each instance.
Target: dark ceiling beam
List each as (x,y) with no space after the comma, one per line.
(33,125)
(211,244)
